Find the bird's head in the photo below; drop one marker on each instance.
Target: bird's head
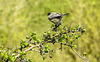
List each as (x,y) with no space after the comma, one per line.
(49,13)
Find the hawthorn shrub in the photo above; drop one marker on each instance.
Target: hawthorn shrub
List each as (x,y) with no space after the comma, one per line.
(65,36)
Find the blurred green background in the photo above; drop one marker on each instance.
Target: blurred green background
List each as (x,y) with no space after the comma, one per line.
(20,17)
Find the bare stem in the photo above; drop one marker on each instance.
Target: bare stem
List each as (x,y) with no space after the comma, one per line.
(28,49)
(79,55)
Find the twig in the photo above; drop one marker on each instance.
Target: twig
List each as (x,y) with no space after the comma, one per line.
(55,36)
(27,50)
(36,50)
(79,55)
(76,52)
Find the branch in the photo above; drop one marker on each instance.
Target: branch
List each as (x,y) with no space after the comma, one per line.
(75,52)
(79,55)
(28,49)
(36,50)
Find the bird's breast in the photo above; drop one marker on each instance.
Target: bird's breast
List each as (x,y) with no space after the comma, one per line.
(55,21)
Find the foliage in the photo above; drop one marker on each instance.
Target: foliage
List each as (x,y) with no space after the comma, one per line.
(63,37)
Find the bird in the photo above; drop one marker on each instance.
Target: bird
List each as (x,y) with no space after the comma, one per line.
(56,18)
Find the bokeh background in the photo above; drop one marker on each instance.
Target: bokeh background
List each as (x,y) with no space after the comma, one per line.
(20,17)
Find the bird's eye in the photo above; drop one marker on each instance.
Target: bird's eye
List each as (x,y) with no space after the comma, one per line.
(49,13)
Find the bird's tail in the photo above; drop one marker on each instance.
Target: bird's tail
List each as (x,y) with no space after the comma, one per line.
(66,14)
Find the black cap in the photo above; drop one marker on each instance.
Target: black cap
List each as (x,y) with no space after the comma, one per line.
(49,13)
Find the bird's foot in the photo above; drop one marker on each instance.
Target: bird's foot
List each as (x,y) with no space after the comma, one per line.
(55,29)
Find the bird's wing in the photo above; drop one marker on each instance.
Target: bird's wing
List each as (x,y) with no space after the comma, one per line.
(58,15)
(54,15)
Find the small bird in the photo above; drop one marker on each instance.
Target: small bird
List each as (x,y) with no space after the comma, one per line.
(56,18)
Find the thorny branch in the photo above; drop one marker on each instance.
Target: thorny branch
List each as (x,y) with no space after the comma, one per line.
(27,50)
(48,38)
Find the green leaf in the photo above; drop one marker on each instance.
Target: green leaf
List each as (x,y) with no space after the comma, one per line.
(29,60)
(34,37)
(61,39)
(26,44)
(77,36)
(49,32)
(84,53)
(79,25)
(53,51)
(12,59)
(44,58)
(70,35)
(53,39)
(47,37)
(27,37)
(6,56)
(74,45)
(46,51)
(44,34)
(83,30)
(65,36)
(32,33)
(47,47)
(22,53)
(63,31)
(54,33)
(52,26)
(23,44)
(39,41)
(2,54)
(71,40)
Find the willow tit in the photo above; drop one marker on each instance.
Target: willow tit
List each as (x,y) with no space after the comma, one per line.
(56,18)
